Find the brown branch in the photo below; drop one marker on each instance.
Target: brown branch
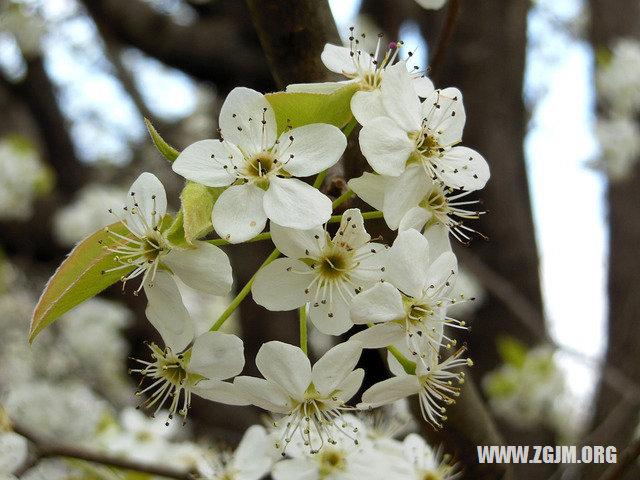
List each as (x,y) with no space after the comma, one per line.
(293,35)
(47,449)
(450,24)
(628,458)
(214,48)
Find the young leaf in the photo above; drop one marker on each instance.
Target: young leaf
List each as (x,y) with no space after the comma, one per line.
(512,351)
(297,108)
(78,278)
(163,147)
(175,232)
(197,204)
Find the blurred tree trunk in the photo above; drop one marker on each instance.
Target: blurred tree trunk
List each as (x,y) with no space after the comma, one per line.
(486,60)
(608,25)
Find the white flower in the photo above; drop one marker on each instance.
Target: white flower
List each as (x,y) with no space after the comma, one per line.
(251,460)
(13,452)
(23,176)
(175,373)
(431,4)
(341,460)
(259,168)
(366,70)
(619,140)
(87,213)
(411,304)
(60,411)
(310,399)
(618,80)
(421,462)
(325,272)
(422,133)
(432,381)
(414,200)
(204,267)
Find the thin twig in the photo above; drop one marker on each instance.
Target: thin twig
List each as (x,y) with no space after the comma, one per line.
(46,449)
(450,24)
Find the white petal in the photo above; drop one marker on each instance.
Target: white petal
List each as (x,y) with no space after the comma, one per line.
(351,235)
(423,86)
(431,4)
(367,105)
(146,204)
(399,98)
(408,262)
(404,193)
(373,260)
(416,218)
(442,274)
(463,168)
(263,394)
(279,286)
(206,268)
(241,118)
(385,145)
(338,59)
(389,391)
(314,148)
(380,303)
(415,448)
(296,469)
(334,366)
(321,87)
(292,203)
(371,188)
(217,356)
(13,452)
(438,237)
(350,386)
(205,161)
(221,392)
(252,458)
(380,336)
(445,115)
(296,243)
(238,214)
(394,365)
(330,318)
(167,313)
(286,366)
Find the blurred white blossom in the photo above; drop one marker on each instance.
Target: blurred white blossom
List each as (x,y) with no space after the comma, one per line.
(24,177)
(618,78)
(620,146)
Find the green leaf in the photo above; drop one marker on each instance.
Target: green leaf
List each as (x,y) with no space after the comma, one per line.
(175,233)
(512,351)
(197,205)
(163,147)
(79,278)
(296,108)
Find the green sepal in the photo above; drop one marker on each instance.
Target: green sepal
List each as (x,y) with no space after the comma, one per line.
(294,109)
(166,150)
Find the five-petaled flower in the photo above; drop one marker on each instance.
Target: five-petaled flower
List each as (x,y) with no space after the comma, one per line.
(311,400)
(322,271)
(258,167)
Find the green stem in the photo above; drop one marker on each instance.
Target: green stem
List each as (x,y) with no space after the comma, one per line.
(243,293)
(320,178)
(262,236)
(348,128)
(303,328)
(408,365)
(365,215)
(342,198)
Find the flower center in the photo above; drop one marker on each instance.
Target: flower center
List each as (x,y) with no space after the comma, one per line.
(331,461)
(371,80)
(261,164)
(334,264)
(436,202)
(430,475)
(426,144)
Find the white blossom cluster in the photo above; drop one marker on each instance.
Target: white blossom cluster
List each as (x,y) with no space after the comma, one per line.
(529,389)
(342,280)
(618,89)
(24,178)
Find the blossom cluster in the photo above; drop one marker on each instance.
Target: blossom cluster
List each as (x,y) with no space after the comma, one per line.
(347,284)
(618,89)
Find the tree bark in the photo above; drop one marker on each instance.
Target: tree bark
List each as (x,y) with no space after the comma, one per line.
(623,198)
